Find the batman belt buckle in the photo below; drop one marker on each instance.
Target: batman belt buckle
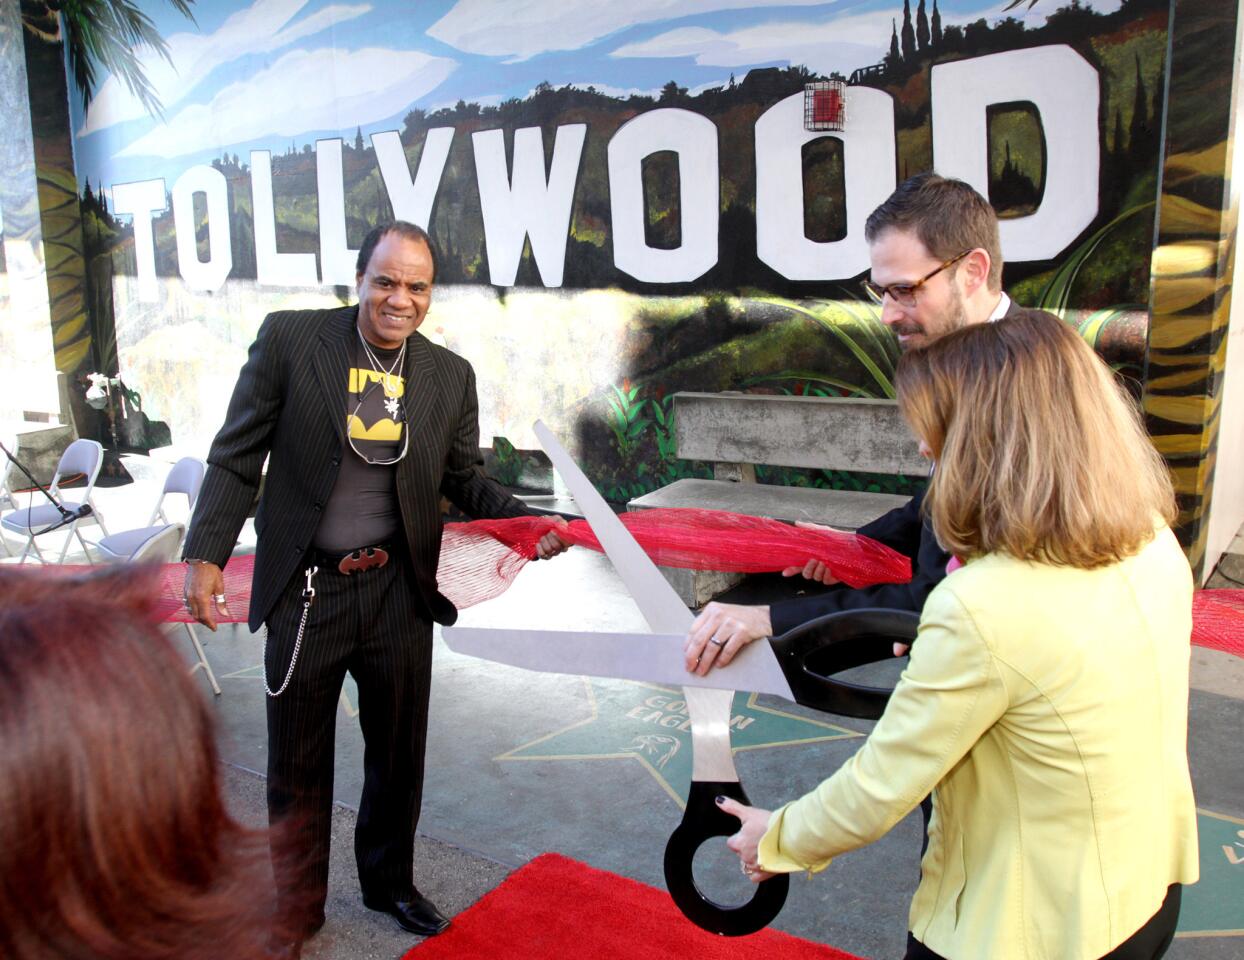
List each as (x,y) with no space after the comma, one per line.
(365,558)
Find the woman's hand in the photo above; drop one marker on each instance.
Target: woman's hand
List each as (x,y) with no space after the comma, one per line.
(754,822)
(720,632)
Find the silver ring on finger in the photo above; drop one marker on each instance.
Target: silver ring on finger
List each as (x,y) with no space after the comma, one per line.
(218,597)
(716,643)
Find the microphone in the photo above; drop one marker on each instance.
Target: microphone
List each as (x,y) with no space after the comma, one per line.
(68,517)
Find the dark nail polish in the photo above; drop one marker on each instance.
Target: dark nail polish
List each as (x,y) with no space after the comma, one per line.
(721,799)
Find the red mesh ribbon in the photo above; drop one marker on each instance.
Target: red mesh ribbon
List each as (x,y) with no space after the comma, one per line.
(479,560)
(238,572)
(1218,620)
(167,606)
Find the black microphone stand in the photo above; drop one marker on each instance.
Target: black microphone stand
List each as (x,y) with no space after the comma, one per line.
(66,516)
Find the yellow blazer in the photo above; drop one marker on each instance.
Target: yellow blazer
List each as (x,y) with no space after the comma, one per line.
(1047,710)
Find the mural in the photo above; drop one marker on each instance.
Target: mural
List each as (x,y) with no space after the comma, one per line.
(47,217)
(1193,265)
(625,203)
(26,364)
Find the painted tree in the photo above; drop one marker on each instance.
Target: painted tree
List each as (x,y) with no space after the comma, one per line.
(96,37)
(909,35)
(937,27)
(922,28)
(1155,105)
(102,34)
(1138,139)
(672,92)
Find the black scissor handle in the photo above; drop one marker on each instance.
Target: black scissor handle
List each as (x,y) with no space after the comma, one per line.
(701,821)
(814,651)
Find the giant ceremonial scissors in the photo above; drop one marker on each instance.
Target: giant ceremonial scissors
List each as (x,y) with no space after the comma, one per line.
(780,666)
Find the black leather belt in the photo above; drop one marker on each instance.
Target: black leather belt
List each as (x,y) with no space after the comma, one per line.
(359,560)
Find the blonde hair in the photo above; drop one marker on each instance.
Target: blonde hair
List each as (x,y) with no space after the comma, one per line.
(1040,453)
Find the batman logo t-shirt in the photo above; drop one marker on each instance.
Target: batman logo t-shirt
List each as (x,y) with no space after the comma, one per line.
(374,404)
(362,509)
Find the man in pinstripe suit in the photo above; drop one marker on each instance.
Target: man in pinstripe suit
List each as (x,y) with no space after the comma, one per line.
(365,424)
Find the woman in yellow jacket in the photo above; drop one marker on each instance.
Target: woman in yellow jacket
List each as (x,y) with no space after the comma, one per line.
(1045,704)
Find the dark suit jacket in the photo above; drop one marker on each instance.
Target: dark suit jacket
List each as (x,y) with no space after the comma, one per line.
(289,406)
(904,530)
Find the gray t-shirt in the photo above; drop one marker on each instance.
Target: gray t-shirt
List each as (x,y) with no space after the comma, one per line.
(362,509)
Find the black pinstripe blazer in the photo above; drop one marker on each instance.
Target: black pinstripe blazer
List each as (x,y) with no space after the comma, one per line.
(289,405)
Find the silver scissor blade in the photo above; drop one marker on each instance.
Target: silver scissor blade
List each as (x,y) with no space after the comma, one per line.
(650,657)
(657,600)
(666,613)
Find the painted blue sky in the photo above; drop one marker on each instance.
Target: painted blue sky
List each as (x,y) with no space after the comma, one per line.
(262,74)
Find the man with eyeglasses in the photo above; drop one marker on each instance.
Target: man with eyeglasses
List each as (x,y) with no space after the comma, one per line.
(935,266)
(366,425)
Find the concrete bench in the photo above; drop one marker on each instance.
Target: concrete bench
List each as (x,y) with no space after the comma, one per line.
(737,431)
(37,445)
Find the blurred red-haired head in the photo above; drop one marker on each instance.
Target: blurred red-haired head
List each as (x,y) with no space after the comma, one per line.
(114,839)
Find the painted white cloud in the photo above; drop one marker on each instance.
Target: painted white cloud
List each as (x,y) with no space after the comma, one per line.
(521,29)
(683,42)
(263,27)
(841,44)
(304,90)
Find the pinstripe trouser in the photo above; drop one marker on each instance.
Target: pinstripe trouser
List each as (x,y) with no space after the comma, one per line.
(370,624)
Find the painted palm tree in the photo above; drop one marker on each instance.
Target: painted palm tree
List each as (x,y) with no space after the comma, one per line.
(98,37)
(101,34)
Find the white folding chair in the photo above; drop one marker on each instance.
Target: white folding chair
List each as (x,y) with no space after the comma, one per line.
(186,478)
(161,546)
(80,457)
(7,500)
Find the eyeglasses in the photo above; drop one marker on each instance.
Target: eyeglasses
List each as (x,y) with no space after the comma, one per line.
(904,294)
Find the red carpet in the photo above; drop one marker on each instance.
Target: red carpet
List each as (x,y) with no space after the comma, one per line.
(558,907)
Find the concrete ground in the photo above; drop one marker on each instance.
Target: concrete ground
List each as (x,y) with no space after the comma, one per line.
(521,763)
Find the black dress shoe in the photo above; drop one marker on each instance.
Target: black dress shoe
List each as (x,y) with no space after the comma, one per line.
(419,916)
